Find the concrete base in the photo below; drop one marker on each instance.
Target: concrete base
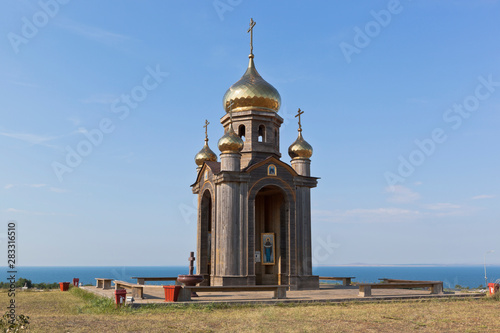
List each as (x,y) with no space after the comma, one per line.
(206,280)
(184,295)
(328,294)
(233,280)
(309,282)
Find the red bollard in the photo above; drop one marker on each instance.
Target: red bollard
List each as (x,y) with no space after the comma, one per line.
(171,293)
(493,288)
(75,282)
(64,286)
(120,296)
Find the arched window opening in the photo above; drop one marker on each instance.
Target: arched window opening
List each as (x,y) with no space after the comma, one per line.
(206,212)
(262,133)
(276,142)
(241,132)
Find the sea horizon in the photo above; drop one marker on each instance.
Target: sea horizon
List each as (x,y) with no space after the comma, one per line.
(339,265)
(471,276)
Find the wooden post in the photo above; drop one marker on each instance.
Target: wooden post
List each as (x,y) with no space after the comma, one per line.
(365,291)
(279,271)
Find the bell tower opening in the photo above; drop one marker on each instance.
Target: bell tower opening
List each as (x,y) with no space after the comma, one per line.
(262,134)
(241,132)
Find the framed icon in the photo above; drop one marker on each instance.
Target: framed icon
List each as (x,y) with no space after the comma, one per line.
(271,170)
(268,248)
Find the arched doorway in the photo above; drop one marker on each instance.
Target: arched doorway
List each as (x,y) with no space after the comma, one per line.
(270,235)
(205,237)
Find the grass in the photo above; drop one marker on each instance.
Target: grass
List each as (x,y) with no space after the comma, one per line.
(80,311)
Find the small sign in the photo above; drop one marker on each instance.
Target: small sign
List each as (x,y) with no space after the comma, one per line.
(257,256)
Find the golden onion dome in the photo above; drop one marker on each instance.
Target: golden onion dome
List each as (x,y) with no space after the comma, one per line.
(300,149)
(230,142)
(204,155)
(252,92)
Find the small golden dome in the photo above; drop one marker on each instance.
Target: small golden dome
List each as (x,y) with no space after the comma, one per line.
(230,142)
(251,92)
(204,155)
(300,149)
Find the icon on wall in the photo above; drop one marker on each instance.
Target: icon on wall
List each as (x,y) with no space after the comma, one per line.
(271,170)
(268,248)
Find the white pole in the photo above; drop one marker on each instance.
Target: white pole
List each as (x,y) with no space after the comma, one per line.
(485,278)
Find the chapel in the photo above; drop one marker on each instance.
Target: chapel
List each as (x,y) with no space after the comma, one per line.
(254,210)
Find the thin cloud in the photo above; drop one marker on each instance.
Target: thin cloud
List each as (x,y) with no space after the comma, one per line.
(9,186)
(51,189)
(125,157)
(36,185)
(483,196)
(57,190)
(75,121)
(24,84)
(401,194)
(447,209)
(389,214)
(442,206)
(362,215)
(27,212)
(13,210)
(80,130)
(33,139)
(94,33)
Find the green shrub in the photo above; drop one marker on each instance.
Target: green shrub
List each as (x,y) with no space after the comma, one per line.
(22,282)
(44,285)
(20,323)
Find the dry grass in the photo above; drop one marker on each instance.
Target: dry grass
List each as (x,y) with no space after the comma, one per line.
(55,311)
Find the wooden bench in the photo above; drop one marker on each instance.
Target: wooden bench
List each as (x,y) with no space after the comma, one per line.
(103,283)
(279,290)
(137,289)
(386,280)
(142,280)
(365,289)
(346,281)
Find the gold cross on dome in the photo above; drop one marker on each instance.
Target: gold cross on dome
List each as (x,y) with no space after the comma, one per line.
(206,128)
(298,115)
(250,30)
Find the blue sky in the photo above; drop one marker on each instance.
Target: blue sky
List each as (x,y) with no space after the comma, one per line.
(401,102)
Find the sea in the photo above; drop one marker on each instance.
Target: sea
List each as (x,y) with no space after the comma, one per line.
(465,276)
